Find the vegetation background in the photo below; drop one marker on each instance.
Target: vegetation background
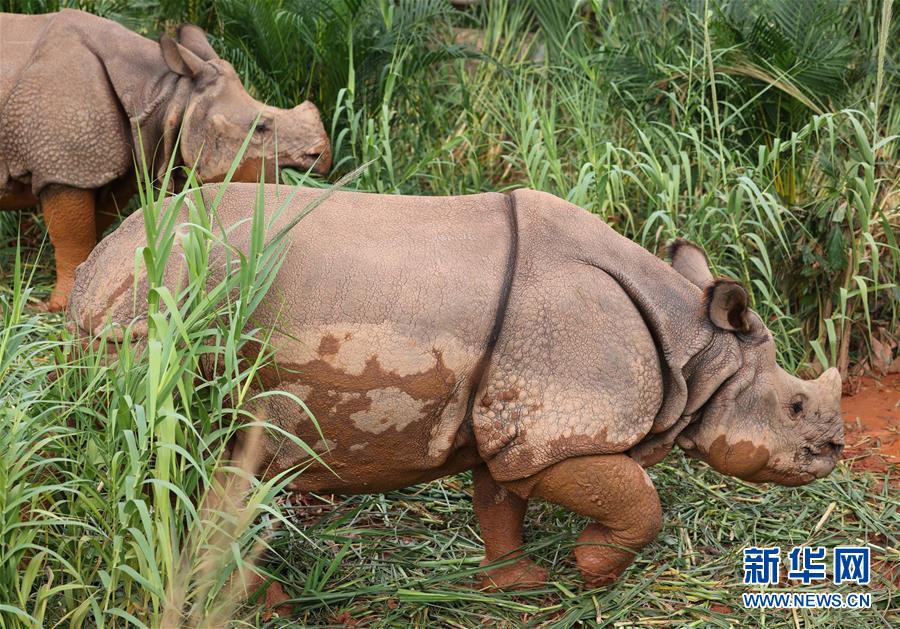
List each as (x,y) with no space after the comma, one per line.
(767,131)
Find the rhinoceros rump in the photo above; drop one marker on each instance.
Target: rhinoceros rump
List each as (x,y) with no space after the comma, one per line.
(514,335)
(78,93)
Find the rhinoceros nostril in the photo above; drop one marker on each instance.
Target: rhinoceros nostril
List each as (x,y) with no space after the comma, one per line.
(831,449)
(321,155)
(318,148)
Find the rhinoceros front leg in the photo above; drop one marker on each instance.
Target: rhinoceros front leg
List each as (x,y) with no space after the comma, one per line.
(617,494)
(500,514)
(69,215)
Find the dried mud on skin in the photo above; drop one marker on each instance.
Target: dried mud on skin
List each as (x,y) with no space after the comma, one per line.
(872,424)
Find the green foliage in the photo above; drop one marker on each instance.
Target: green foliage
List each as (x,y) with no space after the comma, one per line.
(106,457)
(801,40)
(309,49)
(406,559)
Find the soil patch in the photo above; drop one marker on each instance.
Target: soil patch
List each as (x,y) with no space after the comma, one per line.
(872,423)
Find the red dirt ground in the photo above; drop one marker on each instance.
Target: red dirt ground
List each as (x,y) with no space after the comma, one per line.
(872,423)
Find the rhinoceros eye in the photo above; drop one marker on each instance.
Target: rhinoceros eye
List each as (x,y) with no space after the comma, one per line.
(262,126)
(796,408)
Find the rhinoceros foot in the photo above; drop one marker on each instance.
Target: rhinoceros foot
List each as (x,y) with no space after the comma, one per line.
(500,513)
(617,494)
(598,557)
(524,574)
(57,301)
(69,216)
(277,600)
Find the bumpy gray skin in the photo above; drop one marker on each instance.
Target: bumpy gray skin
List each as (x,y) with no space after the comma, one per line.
(604,357)
(80,95)
(77,91)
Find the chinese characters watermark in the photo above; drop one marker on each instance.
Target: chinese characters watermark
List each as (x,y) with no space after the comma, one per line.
(807,564)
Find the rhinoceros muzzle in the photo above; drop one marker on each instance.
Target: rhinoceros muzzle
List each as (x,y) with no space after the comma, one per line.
(317,158)
(310,147)
(823,457)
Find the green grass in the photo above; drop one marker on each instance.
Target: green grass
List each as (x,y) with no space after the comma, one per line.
(109,507)
(767,132)
(409,557)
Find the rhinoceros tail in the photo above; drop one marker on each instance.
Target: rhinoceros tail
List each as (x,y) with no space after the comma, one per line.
(103,290)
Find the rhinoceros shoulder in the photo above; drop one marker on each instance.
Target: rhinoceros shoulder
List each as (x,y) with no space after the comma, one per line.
(575,370)
(62,120)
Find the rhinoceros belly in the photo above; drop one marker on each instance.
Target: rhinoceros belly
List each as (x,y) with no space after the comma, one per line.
(389,407)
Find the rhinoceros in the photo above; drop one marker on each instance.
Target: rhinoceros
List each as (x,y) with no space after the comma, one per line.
(517,336)
(79,93)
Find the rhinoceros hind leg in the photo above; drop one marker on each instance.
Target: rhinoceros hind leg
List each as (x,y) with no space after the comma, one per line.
(500,514)
(69,215)
(618,495)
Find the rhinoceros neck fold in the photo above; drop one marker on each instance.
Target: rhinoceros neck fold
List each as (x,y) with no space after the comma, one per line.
(695,360)
(502,306)
(671,310)
(152,96)
(592,352)
(669,305)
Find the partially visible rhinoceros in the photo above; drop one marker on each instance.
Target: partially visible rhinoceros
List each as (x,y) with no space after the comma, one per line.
(77,95)
(514,335)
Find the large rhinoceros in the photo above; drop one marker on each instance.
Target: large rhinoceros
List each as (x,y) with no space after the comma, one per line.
(517,336)
(78,93)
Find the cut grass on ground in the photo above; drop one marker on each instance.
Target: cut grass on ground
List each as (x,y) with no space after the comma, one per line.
(411,557)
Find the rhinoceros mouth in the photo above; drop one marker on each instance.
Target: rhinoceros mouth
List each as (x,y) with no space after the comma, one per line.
(319,163)
(786,479)
(250,168)
(808,463)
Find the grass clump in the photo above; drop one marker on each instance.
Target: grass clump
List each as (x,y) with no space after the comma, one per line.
(409,558)
(114,452)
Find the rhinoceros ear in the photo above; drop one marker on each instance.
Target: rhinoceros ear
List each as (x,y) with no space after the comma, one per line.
(727,304)
(179,59)
(194,39)
(690,261)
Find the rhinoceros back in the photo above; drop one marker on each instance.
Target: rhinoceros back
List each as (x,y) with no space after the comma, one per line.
(19,35)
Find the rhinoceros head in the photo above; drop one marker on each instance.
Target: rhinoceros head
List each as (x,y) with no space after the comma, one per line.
(760,424)
(220,113)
